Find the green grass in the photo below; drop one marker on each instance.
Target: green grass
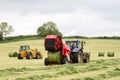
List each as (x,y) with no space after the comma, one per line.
(69,69)
(99,68)
(105,76)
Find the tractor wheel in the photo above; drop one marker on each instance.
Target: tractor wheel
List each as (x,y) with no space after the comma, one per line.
(86,57)
(38,56)
(46,62)
(64,60)
(75,58)
(28,56)
(19,56)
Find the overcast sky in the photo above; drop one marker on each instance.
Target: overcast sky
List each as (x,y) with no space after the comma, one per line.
(73,17)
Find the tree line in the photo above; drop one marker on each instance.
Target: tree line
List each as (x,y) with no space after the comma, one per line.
(42,31)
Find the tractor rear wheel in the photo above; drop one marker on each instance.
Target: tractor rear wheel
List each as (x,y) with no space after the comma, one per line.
(28,56)
(46,62)
(38,56)
(19,56)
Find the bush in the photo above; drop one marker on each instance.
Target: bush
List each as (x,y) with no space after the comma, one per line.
(110,54)
(14,54)
(101,54)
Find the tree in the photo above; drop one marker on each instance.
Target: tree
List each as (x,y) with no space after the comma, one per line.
(5,29)
(48,28)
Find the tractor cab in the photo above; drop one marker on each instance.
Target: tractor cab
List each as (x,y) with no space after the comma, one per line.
(25,47)
(75,45)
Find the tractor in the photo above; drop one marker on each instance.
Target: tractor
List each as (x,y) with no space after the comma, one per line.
(77,54)
(60,53)
(26,52)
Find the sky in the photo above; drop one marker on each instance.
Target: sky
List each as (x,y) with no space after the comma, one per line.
(73,17)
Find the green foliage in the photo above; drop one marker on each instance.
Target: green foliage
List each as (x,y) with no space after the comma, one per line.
(14,54)
(71,37)
(101,54)
(106,37)
(48,28)
(110,54)
(5,29)
(37,37)
(21,37)
(84,37)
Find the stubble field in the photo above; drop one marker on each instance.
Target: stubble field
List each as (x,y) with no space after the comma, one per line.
(99,68)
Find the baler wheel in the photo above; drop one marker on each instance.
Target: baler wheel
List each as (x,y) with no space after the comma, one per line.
(64,60)
(46,62)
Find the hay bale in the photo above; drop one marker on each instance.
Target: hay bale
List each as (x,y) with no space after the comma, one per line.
(10,54)
(110,54)
(13,54)
(101,54)
(54,56)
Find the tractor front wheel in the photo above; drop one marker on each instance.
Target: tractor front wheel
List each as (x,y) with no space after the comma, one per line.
(46,62)
(75,58)
(19,56)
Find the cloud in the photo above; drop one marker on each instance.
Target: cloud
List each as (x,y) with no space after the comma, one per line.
(73,17)
(72,33)
(87,21)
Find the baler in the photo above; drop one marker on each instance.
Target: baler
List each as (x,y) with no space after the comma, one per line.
(57,52)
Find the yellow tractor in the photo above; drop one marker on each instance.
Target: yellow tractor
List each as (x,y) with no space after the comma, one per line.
(26,52)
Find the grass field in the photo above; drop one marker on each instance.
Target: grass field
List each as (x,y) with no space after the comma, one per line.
(100,68)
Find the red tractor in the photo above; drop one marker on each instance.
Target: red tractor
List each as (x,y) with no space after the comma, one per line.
(58,53)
